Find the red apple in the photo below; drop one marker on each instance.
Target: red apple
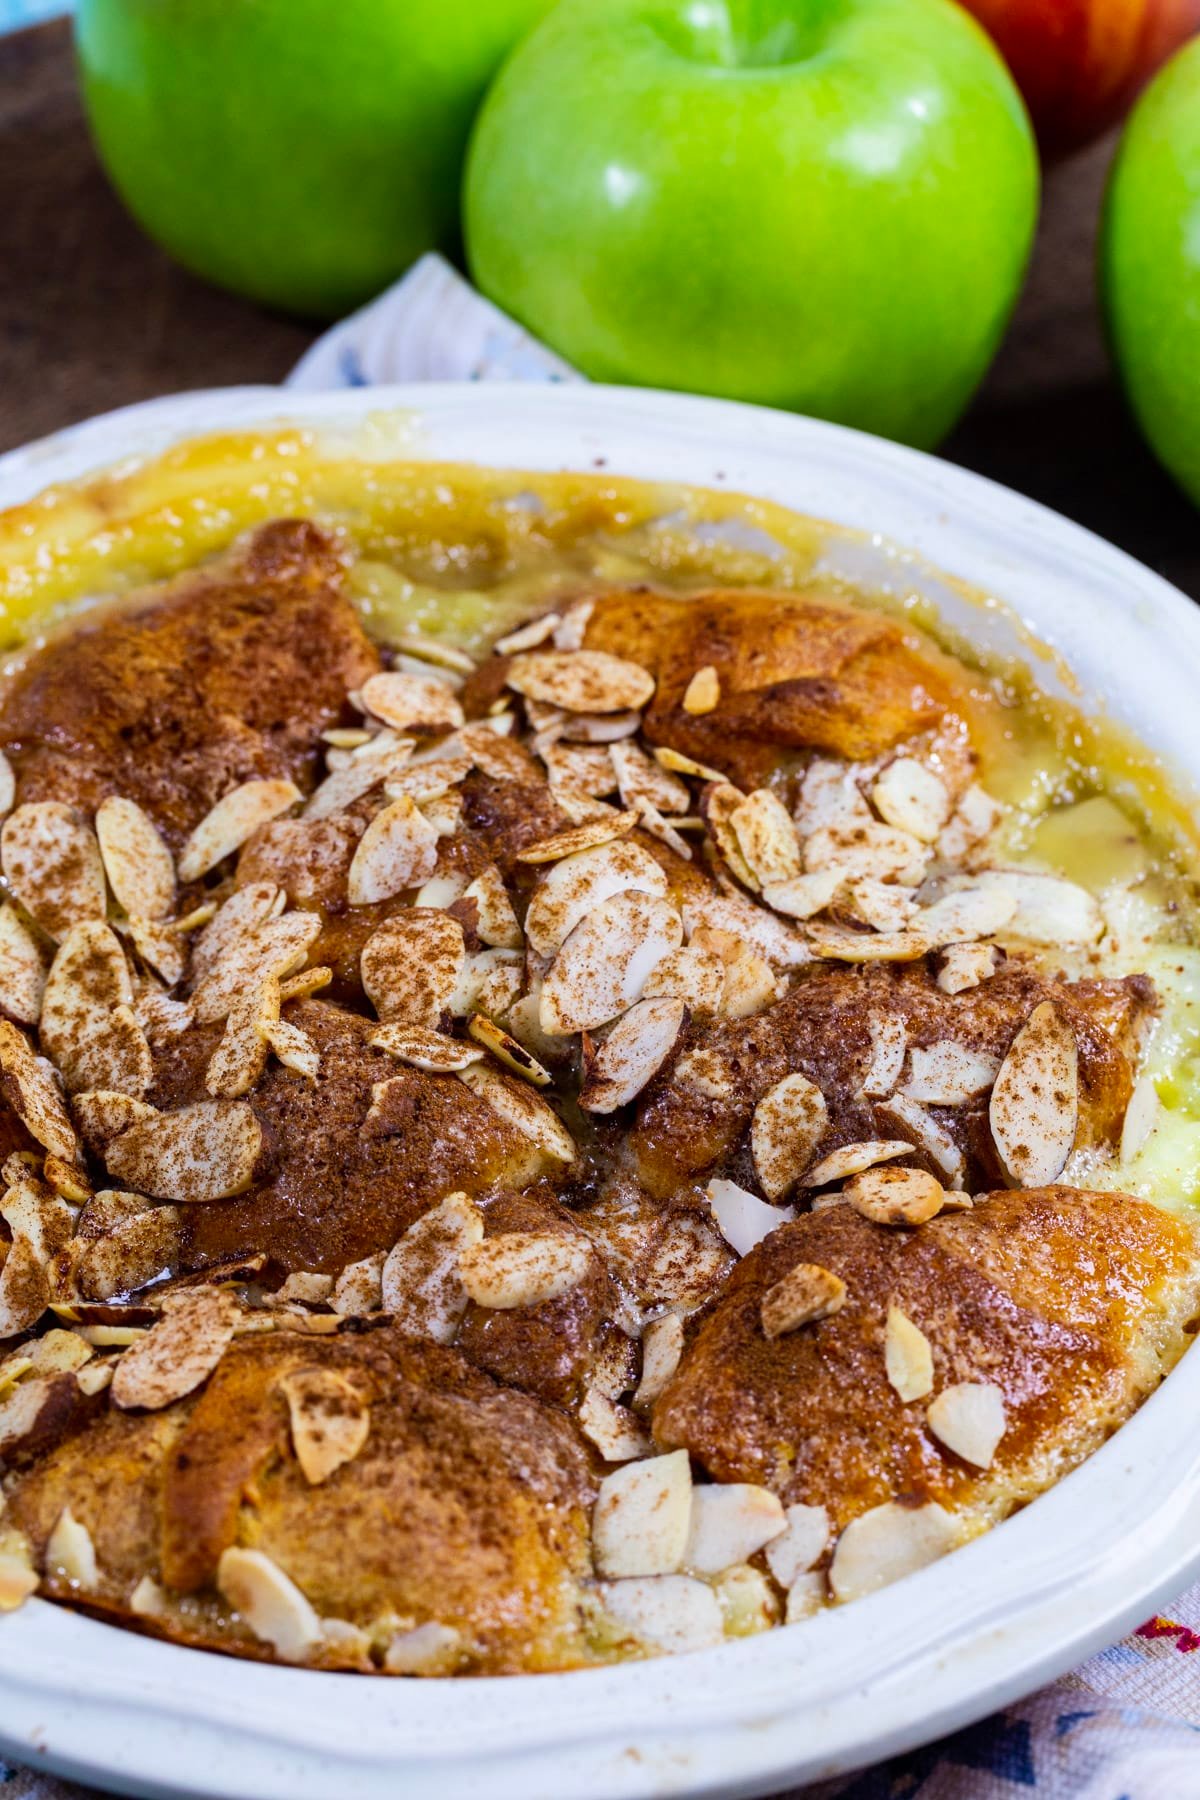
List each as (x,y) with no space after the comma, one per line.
(1080,63)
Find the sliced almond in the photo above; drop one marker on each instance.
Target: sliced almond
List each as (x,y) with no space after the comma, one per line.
(30,1086)
(489,983)
(837,943)
(852,1159)
(18,1579)
(718,805)
(87,1024)
(71,1553)
(416,703)
(1034,1108)
(525,1110)
(8,784)
(742,1218)
(304,983)
(524,1268)
(235,817)
(140,869)
(134,1252)
(889,1043)
(679,764)
(377,762)
(528,637)
(95,1377)
(580,837)
(269,1602)
(73,1183)
(579,772)
(497,922)
(886,1543)
(806,1597)
(613,1429)
(965,966)
(238,1062)
(581,681)
(966,913)
(358,1290)
(52,864)
(177,1353)
(235,920)
(878,851)
(605,963)
(830,796)
(330,1421)
(880,904)
(927,1133)
(425,1049)
(806,1293)
(203,1152)
(895,1196)
(1141,1117)
(1046,909)
(148,1601)
(398,850)
(24,1288)
(34,1211)
(969,1418)
(493,755)
(802,896)
(642,1517)
(800,1545)
(748,982)
(662,1347)
(641,780)
(789,1122)
(703,691)
(600,728)
(411,965)
(576,885)
(278,947)
(104,1114)
(907,1356)
(22,970)
(507,1050)
(434,650)
(670,1613)
(764,934)
(421,1284)
(730,1523)
(294,1049)
(632,1054)
(160,1017)
(912,798)
(766,837)
(159,945)
(694,974)
(949,1074)
(429,1649)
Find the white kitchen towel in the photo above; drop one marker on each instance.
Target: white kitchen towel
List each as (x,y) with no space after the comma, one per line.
(1123,1726)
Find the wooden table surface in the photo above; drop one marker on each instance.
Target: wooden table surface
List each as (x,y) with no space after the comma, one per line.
(93,316)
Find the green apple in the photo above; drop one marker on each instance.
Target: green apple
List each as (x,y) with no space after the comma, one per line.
(300,151)
(1150,265)
(818,204)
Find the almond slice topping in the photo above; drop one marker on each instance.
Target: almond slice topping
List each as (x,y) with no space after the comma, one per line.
(411,966)
(801,1545)
(103,1114)
(330,1421)
(8,784)
(588,836)
(965,966)
(133,1253)
(235,920)
(695,975)
(603,966)
(369,768)
(801,896)
(878,851)
(748,982)
(577,885)
(852,1159)
(806,1293)
(632,1054)
(662,1347)
(71,1553)
(614,1430)
(949,1074)
(889,1043)
(139,866)
(18,1578)
(421,1285)
(22,971)
(417,703)
(581,681)
(31,1088)
(276,948)
(425,1049)
(524,1268)
(177,1353)
(599,728)
(87,1023)
(730,1523)
(673,1613)
(928,1134)
(789,1122)
(742,1218)
(24,1288)
(764,934)
(398,850)
(358,1290)
(238,1061)
(528,637)
(907,1356)
(912,798)
(887,1543)
(294,1049)
(159,945)
(429,1649)
(1046,909)
(498,924)
(52,864)
(895,1196)
(204,1152)
(969,1419)
(642,1516)
(507,1050)
(235,817)
(703,691)
(766,837)
(524,1110)
(679,764)
(1034,1109)
(643,782)
(269,1602)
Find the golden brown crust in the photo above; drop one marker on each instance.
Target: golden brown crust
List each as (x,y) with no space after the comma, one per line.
(1074,1304)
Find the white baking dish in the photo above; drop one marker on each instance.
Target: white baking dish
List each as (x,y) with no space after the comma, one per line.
(990,1622)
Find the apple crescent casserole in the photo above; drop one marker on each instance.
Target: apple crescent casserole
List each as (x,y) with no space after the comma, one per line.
(512,1162)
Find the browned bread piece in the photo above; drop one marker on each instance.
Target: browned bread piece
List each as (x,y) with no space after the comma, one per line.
(466,1506)
(1074,1304)
(794,674)
(226,675)
(345,1168)
(822,1028)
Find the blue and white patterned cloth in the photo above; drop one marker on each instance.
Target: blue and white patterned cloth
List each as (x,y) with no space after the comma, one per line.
(1123,1726)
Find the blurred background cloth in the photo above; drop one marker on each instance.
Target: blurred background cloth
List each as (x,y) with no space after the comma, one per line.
(28,12)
